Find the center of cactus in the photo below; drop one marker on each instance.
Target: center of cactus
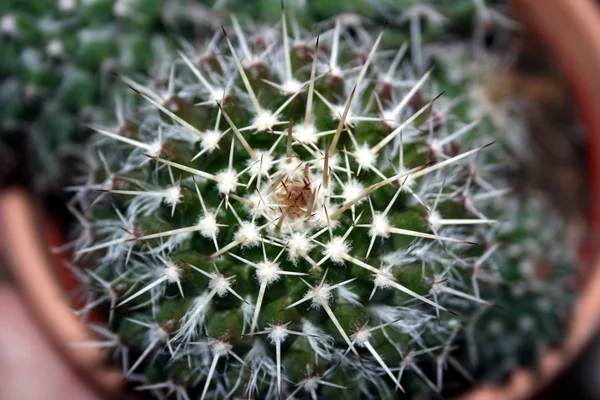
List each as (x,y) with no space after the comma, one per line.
(297,199)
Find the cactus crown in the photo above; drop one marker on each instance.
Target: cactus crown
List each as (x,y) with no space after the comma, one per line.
(288,215)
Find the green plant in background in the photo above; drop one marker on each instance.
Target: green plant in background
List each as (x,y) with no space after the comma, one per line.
(300,214)
(56,58)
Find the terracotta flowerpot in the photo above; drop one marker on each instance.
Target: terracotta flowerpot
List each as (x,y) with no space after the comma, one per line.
(26,235)
(571,30)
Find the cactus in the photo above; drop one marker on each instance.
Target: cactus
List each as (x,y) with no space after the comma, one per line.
(291,216)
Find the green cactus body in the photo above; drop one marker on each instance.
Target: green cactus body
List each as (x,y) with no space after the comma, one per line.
(288,219)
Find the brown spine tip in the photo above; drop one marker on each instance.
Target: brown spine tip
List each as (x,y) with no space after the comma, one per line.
(135,90)
(438,96)
(224,31)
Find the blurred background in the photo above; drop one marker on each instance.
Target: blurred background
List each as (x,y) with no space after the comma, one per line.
(58,60)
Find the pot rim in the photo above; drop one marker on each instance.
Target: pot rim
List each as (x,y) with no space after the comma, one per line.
(24,239)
